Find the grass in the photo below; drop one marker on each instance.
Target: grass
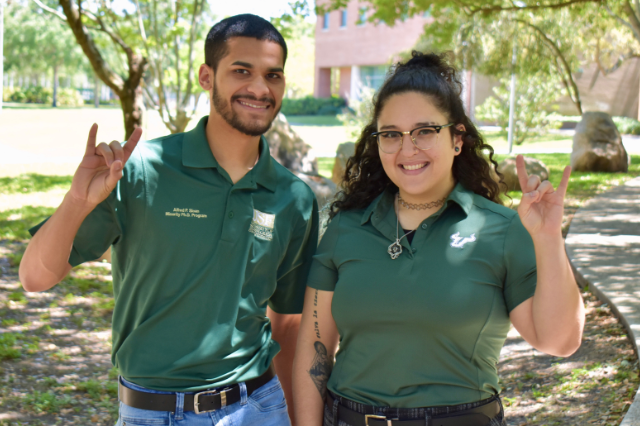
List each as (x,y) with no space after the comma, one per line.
(325,166)
(15,223)
(314,120)
(33,182)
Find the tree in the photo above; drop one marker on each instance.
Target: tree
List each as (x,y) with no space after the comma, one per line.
(30,35)
(120,50)
(174,28)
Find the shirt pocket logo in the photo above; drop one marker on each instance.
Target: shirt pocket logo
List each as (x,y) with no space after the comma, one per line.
(458,242)
(262,225)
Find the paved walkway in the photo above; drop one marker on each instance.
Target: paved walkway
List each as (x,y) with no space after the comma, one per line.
(604,246)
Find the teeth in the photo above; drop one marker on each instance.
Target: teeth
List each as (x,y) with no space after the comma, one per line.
(415,167)
(253,106)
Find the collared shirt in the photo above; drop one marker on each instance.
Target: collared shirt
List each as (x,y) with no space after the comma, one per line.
(424,329)
(196,261)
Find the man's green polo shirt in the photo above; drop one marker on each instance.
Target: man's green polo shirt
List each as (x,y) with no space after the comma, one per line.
(424,329)
(196,261)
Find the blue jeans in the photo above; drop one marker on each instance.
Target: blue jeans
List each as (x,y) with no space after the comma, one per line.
(265,407)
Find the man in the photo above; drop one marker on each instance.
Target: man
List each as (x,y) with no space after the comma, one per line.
(206,230)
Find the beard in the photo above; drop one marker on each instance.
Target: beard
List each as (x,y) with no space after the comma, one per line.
(231,117)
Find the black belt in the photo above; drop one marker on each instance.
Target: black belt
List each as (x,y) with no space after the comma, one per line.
(478,416)
(201,402)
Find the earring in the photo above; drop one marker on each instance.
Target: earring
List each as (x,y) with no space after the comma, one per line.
(457,149)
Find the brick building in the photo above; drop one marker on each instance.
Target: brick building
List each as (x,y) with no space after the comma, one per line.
(351,51)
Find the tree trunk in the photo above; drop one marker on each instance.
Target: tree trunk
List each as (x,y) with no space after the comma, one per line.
(55,86)
(96,92)
(131,102)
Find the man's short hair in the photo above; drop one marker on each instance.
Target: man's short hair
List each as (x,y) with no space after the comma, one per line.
(245,25)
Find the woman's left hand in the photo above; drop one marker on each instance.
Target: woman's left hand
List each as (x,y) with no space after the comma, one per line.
(541,207)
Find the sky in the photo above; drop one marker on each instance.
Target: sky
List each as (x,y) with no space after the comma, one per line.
(265,8)
(222,8)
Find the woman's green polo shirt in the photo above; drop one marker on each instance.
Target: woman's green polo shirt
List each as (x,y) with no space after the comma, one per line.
(425,329)
(196,261)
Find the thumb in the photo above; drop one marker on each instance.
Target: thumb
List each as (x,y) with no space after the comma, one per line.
(115,174)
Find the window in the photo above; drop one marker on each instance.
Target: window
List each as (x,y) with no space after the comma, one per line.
(343,19)
(373,76)
(362,19)
(325,21)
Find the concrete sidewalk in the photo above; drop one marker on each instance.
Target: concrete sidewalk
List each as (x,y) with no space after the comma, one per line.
(603,245)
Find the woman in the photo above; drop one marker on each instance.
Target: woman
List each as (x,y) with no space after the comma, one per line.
(421,270)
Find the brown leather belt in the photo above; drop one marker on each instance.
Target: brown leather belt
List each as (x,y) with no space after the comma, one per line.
(478,416)
(201,402)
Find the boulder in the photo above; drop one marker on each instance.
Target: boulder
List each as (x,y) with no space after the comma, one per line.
(344,151)
(324,188)
(289,149)
(597,145)
(508,169)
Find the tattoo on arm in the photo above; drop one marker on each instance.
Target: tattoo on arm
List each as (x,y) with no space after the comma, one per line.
(321,368)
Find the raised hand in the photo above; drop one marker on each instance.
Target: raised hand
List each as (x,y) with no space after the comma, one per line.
(541,207)
(101,168)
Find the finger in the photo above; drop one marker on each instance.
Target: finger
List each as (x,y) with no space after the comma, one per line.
(523,176)
(564,183)
(532,183)
(91,140)
(115,173)
(132,142)
(545,188)
(105,151)
(526,201)
(118,152)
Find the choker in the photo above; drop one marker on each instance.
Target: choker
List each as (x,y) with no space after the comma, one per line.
(425,206)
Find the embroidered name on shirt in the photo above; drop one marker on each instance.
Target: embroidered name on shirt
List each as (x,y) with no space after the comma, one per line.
(262,225)
(186,212)
(458,242)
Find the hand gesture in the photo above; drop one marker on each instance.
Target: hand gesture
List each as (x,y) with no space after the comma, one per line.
(101,168)
(541,207)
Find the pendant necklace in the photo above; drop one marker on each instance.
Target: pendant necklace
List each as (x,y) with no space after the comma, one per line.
(395,249)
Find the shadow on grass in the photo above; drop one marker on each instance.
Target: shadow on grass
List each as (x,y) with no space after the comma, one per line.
(33,182)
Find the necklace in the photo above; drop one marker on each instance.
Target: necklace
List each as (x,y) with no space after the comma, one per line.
(395,249)
(425,206)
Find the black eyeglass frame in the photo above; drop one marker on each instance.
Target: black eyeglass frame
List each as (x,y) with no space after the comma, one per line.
(413,140)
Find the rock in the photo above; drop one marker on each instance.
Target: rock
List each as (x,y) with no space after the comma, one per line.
(508,169)
(597,145)
(289,149)
(344,151)
(324,188)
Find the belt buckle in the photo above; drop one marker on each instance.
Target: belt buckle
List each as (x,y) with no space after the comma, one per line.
(377,417)
(223,400)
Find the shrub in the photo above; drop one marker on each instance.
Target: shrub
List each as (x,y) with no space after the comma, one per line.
(313,106)
(69,97)
(6,94)
(534,95)
(627,126)
(18,96)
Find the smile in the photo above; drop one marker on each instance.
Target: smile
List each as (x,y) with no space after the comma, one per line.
(253,105)
(414,166)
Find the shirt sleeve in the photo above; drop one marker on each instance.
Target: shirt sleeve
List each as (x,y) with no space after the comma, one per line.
(294,269)
(520,261)
(98,232)
(324,272)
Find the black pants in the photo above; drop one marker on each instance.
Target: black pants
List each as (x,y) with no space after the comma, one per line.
(407,413)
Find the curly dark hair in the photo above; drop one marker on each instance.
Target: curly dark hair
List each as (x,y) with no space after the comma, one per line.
(431,74)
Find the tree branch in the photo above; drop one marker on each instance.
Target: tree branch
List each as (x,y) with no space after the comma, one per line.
(623,22)
(50,10)
(561,5)
(633,18)
(195,21)
(566,75)
(102,70)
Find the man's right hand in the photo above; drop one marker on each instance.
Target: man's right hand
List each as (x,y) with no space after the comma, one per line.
(101,168)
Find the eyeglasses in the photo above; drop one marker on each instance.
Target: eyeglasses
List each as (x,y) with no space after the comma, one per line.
(424,138)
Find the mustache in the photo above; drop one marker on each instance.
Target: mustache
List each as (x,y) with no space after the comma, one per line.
(266,99)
